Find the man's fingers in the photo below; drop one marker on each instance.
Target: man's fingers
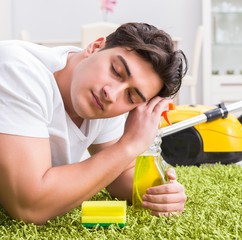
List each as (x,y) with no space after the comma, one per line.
(175,187)
(171,173)
(164,208)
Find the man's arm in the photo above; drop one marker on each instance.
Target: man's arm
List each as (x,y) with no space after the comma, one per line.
(32,190)
(121,187)
(163,199)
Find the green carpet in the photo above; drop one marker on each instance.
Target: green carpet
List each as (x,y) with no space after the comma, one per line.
(213,211)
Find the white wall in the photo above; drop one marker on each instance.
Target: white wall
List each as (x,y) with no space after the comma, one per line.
(6,19)
(60,20)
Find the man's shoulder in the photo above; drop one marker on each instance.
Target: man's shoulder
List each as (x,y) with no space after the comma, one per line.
(17,50)
(9,47)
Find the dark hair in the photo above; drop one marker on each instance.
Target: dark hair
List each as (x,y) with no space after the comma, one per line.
(156,47)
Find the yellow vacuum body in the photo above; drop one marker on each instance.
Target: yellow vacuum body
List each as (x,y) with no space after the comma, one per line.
(219,140)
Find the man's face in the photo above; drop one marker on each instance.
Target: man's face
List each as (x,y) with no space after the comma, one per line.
(111,82)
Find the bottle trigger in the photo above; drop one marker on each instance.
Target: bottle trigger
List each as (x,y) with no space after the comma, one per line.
(164,114)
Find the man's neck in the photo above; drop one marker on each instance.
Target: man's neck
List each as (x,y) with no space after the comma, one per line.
(63,78)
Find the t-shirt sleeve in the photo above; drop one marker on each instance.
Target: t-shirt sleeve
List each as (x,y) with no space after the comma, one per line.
(23,111)
(113,128)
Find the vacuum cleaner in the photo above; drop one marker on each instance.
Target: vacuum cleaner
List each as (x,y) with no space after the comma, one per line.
(202,134)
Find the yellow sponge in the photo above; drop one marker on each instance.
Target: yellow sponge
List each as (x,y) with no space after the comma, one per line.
(103,213)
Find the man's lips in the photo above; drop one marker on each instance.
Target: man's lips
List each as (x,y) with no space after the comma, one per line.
(97,101)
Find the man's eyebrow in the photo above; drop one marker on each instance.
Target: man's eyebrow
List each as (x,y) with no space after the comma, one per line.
(125,65)
(129,74)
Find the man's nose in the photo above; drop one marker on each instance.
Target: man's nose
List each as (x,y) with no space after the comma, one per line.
(111,93)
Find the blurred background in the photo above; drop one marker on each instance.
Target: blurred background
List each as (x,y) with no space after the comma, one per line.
(59,22)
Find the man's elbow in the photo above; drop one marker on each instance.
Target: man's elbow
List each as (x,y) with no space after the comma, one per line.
(29,208)
(28,214)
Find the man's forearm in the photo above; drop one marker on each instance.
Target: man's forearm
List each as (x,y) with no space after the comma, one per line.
(122,186)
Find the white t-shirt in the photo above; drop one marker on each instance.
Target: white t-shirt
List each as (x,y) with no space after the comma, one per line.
(31,104)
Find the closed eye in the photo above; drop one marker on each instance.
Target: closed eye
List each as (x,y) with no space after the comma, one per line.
(114,71)
(130,97)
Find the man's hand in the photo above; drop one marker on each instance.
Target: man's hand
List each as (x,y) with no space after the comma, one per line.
(142,124)
(167,198)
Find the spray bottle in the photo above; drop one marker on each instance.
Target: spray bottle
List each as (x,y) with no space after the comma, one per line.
(150,167)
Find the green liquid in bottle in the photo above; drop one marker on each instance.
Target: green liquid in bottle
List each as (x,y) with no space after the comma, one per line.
(150,170)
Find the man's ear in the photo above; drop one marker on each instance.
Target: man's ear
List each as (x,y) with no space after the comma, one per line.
(95,46)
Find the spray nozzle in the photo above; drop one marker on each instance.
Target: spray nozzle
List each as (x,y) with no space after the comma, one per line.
(171,106)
